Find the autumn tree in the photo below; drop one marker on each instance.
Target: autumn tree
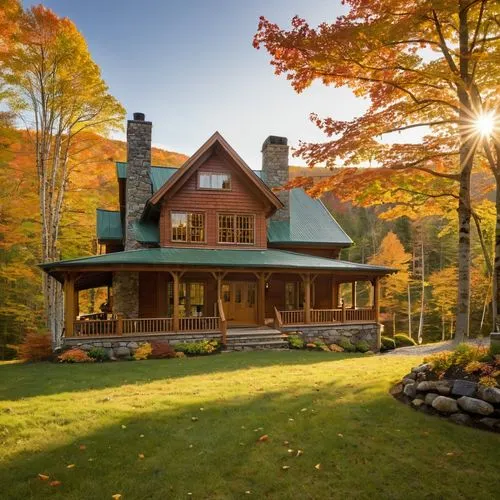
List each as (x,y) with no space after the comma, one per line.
(391,253)
(444,298)
(57,90)
(422,64)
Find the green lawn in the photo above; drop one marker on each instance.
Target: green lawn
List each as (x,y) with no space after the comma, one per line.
(197,422)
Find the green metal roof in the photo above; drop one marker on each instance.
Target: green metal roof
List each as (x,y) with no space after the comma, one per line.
(310,223)
(159,175)
(222,258)
(109,225)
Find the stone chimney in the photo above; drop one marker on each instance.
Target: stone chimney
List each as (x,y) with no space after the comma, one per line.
(139,188)
(275,171)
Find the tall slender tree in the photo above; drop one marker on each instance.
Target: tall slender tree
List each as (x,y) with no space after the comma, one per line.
(57,90)
(423,64)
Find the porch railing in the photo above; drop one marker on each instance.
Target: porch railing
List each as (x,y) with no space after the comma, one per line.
(318,316)
(203,323)
(95,328)
(147,325)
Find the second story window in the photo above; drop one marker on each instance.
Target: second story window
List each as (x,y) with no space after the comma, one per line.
(236,229)
(188,227)
(212,180)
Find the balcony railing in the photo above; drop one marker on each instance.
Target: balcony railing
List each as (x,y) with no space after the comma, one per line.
(328,316)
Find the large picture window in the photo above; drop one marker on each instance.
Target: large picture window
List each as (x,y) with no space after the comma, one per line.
(212,180)
(188,227)
(235,228)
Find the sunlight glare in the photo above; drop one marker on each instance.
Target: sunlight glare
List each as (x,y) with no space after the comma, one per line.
(485,123)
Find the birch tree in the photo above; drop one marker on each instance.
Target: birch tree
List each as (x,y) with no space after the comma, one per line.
(57,90)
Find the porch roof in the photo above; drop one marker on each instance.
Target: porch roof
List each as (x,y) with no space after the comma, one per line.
(214,258)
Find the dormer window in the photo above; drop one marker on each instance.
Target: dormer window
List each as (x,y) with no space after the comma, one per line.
(212,180)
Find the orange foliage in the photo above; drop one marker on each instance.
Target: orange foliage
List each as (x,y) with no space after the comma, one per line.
(161,350)
(35,347)
(75,356)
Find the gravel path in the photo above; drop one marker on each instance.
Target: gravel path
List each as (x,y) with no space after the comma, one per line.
(423,350)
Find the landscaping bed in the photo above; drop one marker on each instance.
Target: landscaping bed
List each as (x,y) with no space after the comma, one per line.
(461,386)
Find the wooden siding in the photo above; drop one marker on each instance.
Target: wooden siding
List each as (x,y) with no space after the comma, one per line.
(241,199)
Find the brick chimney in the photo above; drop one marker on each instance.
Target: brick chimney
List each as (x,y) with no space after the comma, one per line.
(275,171)
(139,188)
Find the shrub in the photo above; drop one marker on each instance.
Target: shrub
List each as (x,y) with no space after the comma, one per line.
(387,344)
(198,348)
(321,346)
(336,348)
(440,362)
(295,342)
(98,354)
(464,354)
(75,356)
(474,367)
(143,351)
(362,346)
(488,381)
(402,340)
(162,350)
(346,344)
(36,347)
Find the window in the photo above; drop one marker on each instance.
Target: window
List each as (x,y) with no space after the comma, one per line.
(191,299)
(237,229)
(209,180)
(294,295)
(188,227)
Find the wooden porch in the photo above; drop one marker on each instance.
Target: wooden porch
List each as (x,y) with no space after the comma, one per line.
(269,306)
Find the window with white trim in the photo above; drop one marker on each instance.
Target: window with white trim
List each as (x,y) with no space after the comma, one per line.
(213,180)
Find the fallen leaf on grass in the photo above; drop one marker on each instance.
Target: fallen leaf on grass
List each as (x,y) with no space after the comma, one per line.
(141,455)
(83,447)
(290,450)
(304,409)
(43,477)
(116,496)
(194,419)
(340,435)
(286,443)
(285,467)
(141,436)
(265,437)
(317,466)
(55,483)
(299,452)
(70,466)
(124,426)
(450,454)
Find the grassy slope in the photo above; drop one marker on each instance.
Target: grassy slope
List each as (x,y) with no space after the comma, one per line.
(368,444)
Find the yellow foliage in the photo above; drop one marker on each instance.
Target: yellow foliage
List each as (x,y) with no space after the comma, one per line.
(143,351)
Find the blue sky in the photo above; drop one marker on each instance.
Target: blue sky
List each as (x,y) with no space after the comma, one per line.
(191,68)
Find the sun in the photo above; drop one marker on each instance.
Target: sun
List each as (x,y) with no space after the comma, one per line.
(484,123)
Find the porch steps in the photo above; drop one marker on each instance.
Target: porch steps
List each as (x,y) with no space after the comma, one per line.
(249,339)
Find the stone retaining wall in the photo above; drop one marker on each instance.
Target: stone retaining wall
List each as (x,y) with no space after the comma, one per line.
(355,332)
(123,347)
(461,401)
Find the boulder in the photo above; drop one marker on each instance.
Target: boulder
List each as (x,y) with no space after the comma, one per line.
(410,390)
(461,419)
(422,368)
(411,375)
(407,381)
(106,345)
(132,345)
(396,390)
(85,347)
(445,405)
(491,423)
(122,352)
(430,397)
(417,402)
(490,394)
(421,376)
(473,405)
(443,387)
(463,388)
(427,385)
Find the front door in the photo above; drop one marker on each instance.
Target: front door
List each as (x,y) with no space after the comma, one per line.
(239,299)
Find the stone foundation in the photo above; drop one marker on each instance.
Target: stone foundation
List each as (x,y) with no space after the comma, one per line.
(124,347)
(332,334)
(126,294)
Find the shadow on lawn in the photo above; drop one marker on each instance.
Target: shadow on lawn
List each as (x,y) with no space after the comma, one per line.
(362,454)
(19,381)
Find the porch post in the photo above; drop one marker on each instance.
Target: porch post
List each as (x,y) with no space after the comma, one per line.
(261,299)
(175,321)
(307,298)
(335,294)
(353,295)
(376,299)
(77,303)
(69,304)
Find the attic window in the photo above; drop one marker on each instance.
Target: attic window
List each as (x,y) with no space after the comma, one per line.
(212,180)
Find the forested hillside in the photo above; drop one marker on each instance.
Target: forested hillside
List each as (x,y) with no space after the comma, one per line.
(427,243)
(91,184)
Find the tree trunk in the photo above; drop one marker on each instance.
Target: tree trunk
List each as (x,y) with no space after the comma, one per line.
(422,296)
(409,311)
(496,271)
(443,325)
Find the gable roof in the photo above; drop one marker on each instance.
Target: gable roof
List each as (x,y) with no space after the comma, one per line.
(196,160)
(310,223)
